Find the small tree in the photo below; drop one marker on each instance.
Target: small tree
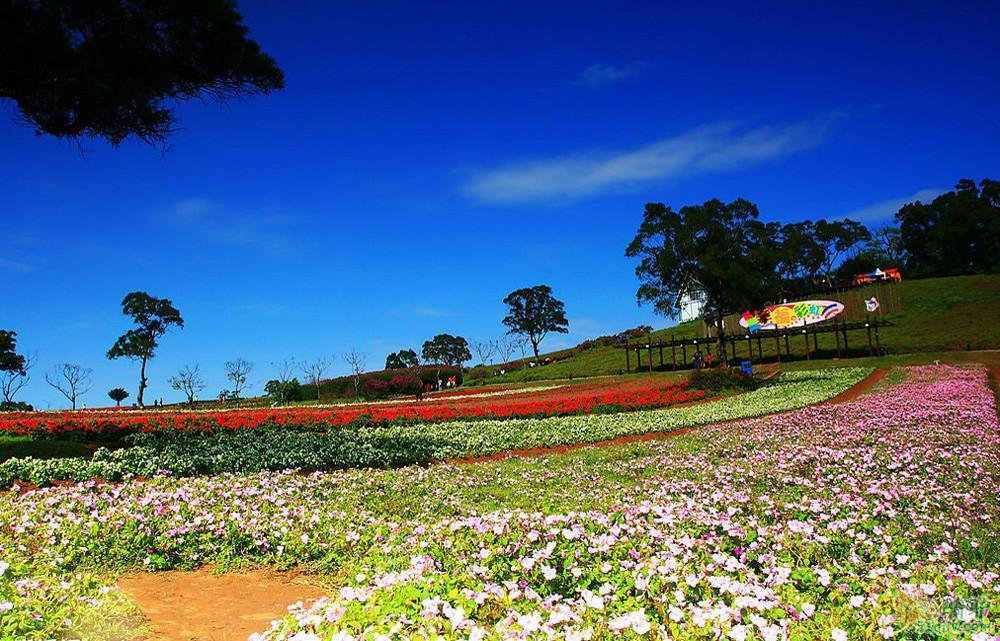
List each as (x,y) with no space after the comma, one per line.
(506,347)
(533,312)
(118,395)
(238,371)
(356,360)
(15,369)
(280,387)
(72,381)
(314,371)
(152,317)
(188,381)
(485,350)
(402,359)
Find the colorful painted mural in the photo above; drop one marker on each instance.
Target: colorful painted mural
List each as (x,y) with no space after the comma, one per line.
(786,315)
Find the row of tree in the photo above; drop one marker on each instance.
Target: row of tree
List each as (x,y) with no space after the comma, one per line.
(725,253)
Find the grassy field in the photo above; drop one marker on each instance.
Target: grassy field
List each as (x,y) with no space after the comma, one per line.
(941,317)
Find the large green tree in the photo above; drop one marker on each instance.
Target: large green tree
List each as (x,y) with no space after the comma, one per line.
(115,69)
(957,233)
(533,312)
(445,349)
(152,317)
(402,359)
(721,249)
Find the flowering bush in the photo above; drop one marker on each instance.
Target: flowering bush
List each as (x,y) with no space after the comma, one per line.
(273,447)
(868,520)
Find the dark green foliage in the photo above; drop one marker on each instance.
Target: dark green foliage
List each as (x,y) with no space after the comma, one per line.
(284,391)
(402,359)
(10,360)
(152,317)
(957,233)
(118,395)
(722,378)
(15,406)
(533,312)
(445,349)
(115,70)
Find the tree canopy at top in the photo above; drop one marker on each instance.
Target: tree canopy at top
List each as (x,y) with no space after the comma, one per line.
(112,69)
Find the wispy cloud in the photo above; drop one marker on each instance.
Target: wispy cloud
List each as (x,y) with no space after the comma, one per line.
(15,266)
(259,232)
(431,312)
(601,75)
(716,147)
(886,209)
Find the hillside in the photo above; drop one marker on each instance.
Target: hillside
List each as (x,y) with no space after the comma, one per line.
(940,314)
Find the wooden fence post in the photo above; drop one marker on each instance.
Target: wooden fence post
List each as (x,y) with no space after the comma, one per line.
(673,353)
(628,363)
(836,333)
(805,335)
(868,327)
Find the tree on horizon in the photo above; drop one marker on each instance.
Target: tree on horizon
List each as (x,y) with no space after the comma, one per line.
(152,317)
(533,312)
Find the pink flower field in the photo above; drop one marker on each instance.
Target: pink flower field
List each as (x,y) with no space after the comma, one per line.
(875,519)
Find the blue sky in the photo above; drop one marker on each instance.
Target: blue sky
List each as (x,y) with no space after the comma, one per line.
(425,161)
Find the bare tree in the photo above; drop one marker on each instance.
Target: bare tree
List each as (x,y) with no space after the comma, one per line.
(356,360)
(313,371)
(506,346)
(238,371)
(283,383)
(12,382)
(188,381)
(485,351)
(72,381)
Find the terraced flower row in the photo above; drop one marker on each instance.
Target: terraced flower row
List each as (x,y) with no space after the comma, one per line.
(245,451)
(871,520)
(550,401)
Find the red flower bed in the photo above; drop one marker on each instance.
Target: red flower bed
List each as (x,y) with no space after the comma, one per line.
(575,399)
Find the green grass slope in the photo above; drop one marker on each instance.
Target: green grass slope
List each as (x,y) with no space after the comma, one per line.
(939,315)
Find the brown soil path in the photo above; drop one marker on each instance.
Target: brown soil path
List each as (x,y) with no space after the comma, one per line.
(202,606)
(850,394)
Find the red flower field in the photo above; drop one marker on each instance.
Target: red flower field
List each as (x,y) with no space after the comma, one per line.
(593,397)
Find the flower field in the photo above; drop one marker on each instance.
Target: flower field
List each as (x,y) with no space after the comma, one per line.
(461,404)
(274,447)
(874,519)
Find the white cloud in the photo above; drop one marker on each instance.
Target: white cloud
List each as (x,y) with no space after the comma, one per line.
(601,75)
(716,147)
(886,209)
(263,233)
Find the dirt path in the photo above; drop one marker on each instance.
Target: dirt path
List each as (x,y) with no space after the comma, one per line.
(201,606)
(847,395)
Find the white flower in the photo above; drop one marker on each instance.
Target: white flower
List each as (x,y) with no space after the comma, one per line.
(636,620)
(3,567)
(838,635)
(737,633)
